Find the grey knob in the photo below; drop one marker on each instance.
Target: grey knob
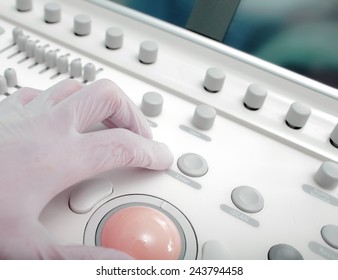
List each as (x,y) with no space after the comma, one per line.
(52,12)
(327,175)
(152,103)
(82,25)
(114,38)
(11,77)
(148,52)
(16,32)
(204,117)
(30,48)
(76,68)
(334,137)
(3,85)
(51,59)
(255,97)
(24,5)
(39,54)
(89,72)
(297,115)
(214,79)
(62,64)
(21,41)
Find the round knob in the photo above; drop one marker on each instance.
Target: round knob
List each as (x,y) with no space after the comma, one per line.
(297,115)
(76,68)
(204,116)
(24,5)
(30,48)
(327,175)
(16,32)
(39,54)
(255,97)
(152,103)
(51,59)
(62,64)
(3,85)
(52,12)
(89,72)
(148,52)
(21,41)
(214,79)
(334,137)
(114,38)
(82,25)
(11,77)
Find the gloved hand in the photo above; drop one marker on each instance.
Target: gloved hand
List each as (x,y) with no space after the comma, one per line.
(45,147)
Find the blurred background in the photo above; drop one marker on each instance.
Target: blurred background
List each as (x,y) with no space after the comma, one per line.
(300,35)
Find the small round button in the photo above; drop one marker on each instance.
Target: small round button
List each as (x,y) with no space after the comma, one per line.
(52,12)
(148,52)
(51,59)
(204,117)
(62,64)
(39,54)
(152,103)
(192,165)
(24,5)
(21,41)
(330,235)
(11,77)
(3,85)
(30,48)
(297,115)
(334,137)
(76,68)
(327,175)
(214,79)
(214,250)
(247,199)
(255,97)
(16,32)
(89,72)
(82,25)
(114,38)
(284,252)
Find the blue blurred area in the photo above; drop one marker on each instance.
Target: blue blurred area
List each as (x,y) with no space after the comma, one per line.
(300,35)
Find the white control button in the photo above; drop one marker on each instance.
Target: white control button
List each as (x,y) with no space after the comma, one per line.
(76,68)
(214,79)
(51,59)
(11,77)
(192,165)
(114,38)
(330,235)
(148,52)
(334,137)
(62,64)
(2,30)
(39,54)
(3,85)
(16,32)
(152,103)
(284,252)
(255,97)
(247,199)
(87,194)
(213,250)
(204,117)
(297,115)
(327,175)
(24,5)
(52,12)
(21,41)
(30,48)
(89,72)
(82,25)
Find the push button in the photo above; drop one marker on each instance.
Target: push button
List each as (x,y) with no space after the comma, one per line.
(247,199)
(330,235)
(192,165)
(284,252)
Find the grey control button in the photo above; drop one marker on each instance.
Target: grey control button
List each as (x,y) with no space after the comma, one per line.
(297,115)
(327,175)
(11,77)
(114,38)
(16,32)
(192,165)
(30,48)
(214,79)
(247,199)
(213,250)
(52,12)
(284,252)
(39,54)
(148,52)
(334,137)
(89,72)
(3,85)
(152,103)
(255,97)
(24,5)
(82,25)
(21,41)
(330,235)
(62,64)
(204,117)
(76,68)
(51,59)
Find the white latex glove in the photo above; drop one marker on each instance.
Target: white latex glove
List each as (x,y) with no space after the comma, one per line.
(44,148)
